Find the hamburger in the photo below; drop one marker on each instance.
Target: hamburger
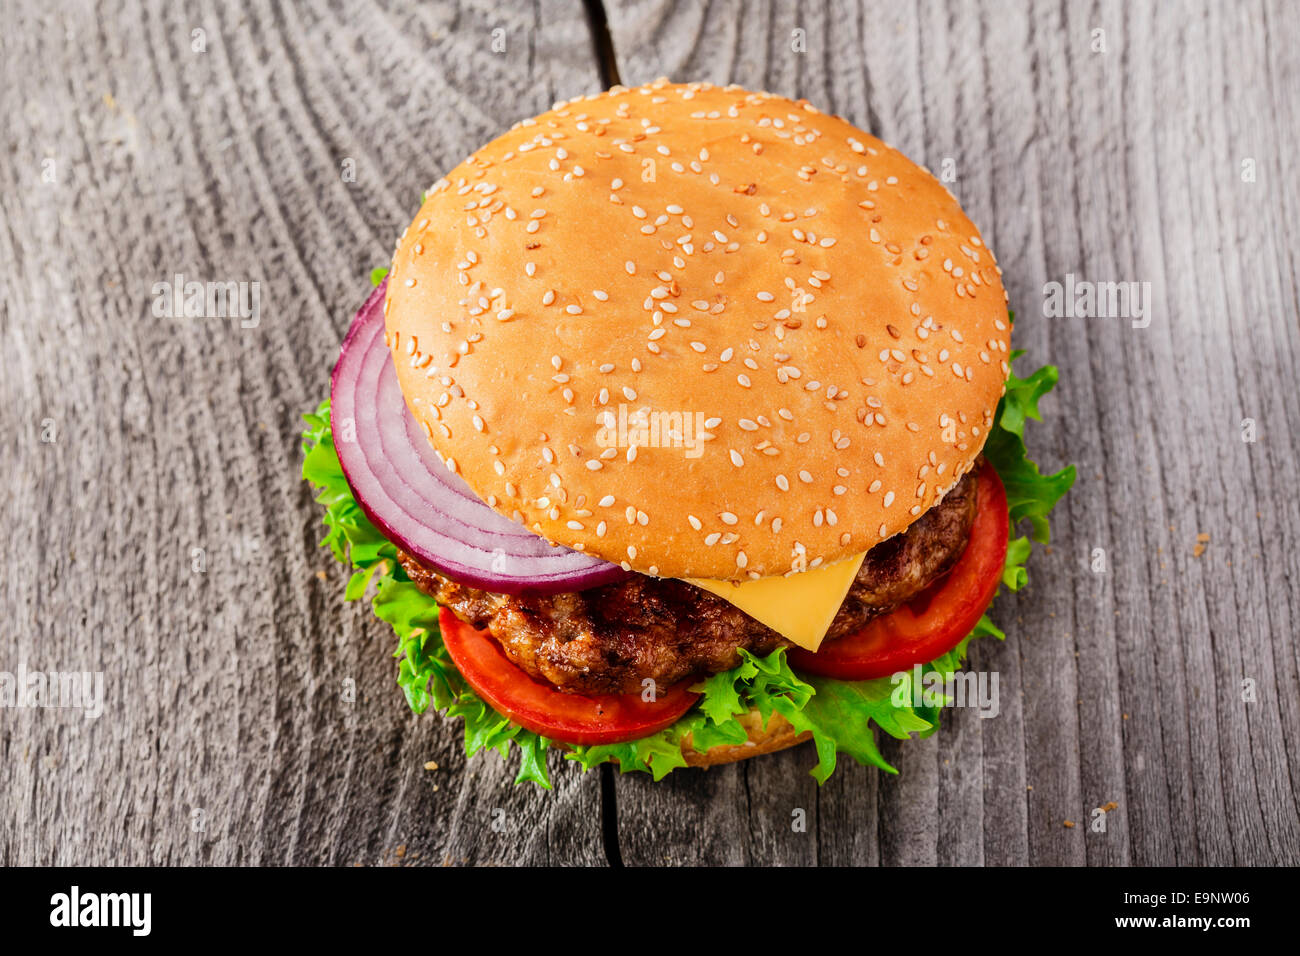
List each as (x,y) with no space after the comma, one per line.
(682,428)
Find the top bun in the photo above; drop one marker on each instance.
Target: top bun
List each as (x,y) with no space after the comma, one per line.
(807,323)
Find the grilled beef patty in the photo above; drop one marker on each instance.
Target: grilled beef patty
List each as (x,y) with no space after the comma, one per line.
(610,638)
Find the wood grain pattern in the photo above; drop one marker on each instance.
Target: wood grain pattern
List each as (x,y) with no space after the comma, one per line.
(1115,165)
(225,687)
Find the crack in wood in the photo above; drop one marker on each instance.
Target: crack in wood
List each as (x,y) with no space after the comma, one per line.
(602,43)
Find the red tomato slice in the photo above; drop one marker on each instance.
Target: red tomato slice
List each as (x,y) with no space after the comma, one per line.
(570,718)
(936,620)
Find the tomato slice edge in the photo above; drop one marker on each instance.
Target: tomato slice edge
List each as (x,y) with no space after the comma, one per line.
(568,718)
(902,638)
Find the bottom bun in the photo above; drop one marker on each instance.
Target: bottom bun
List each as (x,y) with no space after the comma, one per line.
(777,735)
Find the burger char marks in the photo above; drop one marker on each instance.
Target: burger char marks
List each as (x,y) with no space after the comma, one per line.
(611,638)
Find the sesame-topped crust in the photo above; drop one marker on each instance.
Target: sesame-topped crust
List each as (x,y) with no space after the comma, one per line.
(814,330)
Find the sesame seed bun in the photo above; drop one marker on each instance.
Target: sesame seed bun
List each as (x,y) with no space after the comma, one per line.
(813,329)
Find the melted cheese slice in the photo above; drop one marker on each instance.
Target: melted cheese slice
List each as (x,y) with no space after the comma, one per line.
(799,607)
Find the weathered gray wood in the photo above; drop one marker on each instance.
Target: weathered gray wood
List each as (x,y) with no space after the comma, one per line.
(1122,165)
(225,687)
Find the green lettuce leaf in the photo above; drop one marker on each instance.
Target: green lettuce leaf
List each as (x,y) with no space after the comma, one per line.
(1030,494)
(425,672)
(841,716)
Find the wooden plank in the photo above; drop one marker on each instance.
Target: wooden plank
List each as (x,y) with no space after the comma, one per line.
(225,687)
(1120,165)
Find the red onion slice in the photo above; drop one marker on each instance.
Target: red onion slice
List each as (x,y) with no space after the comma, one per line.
(418,504)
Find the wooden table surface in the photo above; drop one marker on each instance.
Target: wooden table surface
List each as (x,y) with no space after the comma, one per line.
(1159,150)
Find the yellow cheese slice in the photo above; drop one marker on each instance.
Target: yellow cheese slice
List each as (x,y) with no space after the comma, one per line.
(799,607)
